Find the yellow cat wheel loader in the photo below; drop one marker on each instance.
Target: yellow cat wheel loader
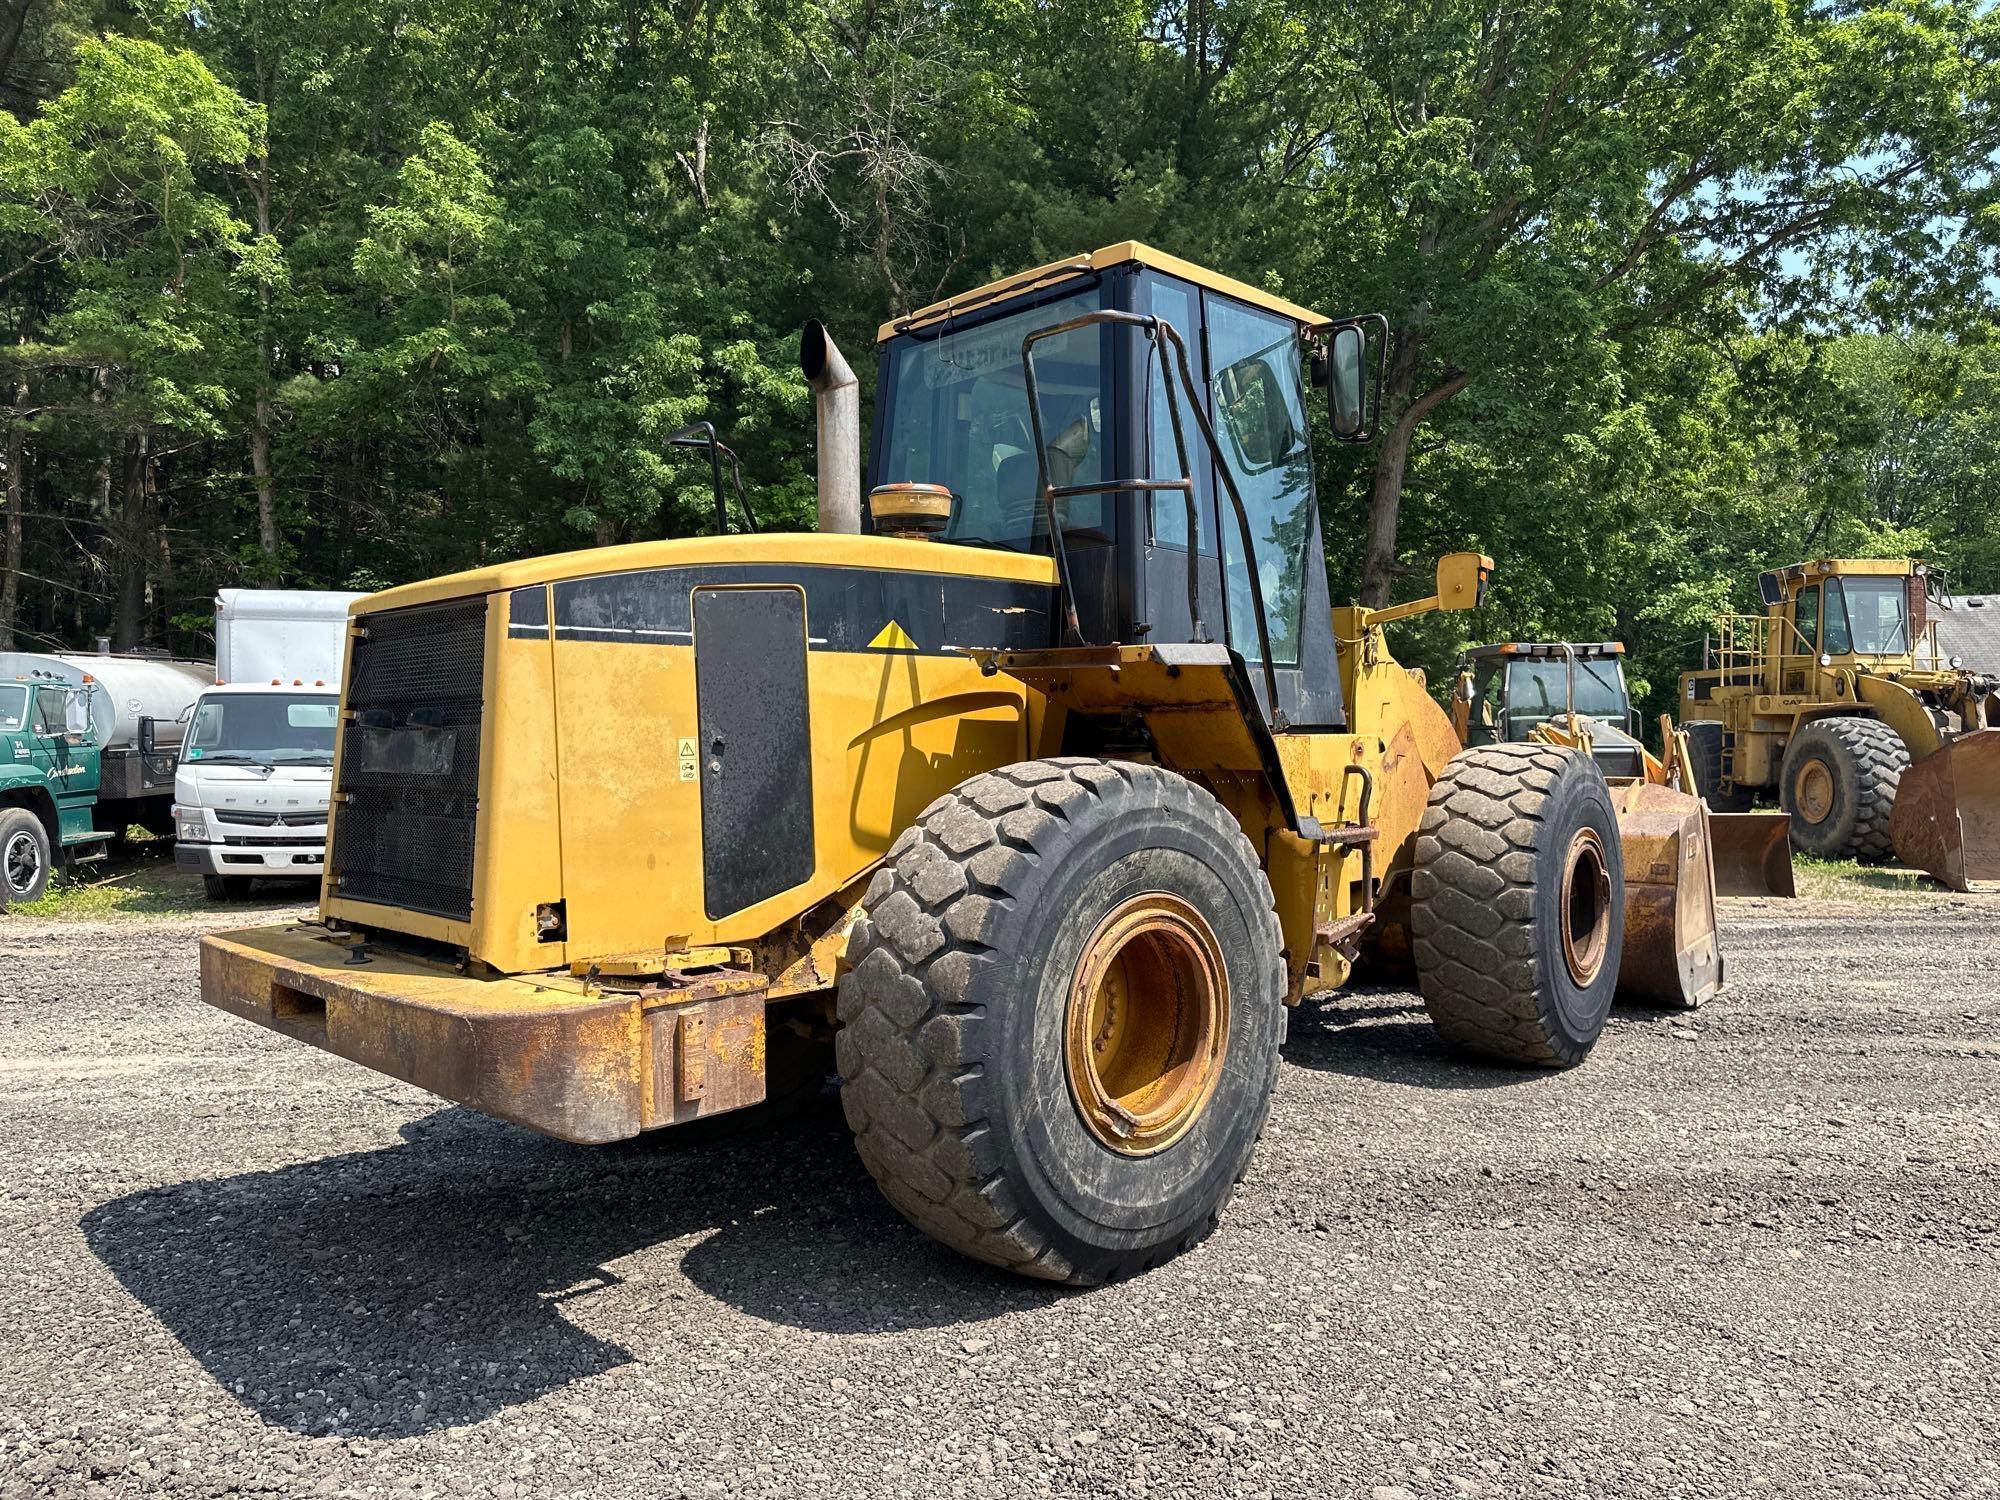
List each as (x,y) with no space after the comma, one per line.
(1678,857)
(1837,700)
(1044,788)
(1527,689)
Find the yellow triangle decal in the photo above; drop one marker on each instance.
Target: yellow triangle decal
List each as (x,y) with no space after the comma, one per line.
(892,637)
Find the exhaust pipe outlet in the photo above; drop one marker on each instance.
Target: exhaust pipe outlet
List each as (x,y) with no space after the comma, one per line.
(837,407)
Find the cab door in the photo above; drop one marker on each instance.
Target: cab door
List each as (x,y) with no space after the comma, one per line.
(71,771)
(1258,393)
(1802,646)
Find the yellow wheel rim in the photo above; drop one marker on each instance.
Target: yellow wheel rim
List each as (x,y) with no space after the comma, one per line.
(1148,1024)
(1812,791)
(1586,906)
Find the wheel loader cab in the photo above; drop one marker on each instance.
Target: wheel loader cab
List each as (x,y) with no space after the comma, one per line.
(1511,688)
(952,410)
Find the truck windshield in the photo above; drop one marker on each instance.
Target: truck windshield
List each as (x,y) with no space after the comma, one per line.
(13,706)
(264,729)
(1875,620)
(957,412)
(1538,689)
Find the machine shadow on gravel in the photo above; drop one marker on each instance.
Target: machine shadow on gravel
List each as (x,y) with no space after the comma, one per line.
(1382,1032)
(424,1286)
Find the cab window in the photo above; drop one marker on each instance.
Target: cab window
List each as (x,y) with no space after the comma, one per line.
(1877,614)
(1834,637)
(13,707)
(958,416)
(1260,409)
(1807,616)
(49,718)
(1179,304)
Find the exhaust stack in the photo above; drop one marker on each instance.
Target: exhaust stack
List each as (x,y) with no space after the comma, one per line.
(837,406)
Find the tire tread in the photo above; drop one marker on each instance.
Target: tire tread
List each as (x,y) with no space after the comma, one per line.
(910,1048)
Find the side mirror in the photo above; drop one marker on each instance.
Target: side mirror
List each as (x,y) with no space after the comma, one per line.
(149,738)
(1462,579)
(1355,351)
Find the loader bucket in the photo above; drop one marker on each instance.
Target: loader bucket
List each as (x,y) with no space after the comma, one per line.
(1947,814)
(1753,853)
(1671,956)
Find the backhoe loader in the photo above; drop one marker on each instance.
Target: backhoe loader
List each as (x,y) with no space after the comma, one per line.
(1045,786)
(1837,699)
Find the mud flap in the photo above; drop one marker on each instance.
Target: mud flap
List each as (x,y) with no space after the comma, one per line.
(1947,815)
(1753,853)
(1671,952)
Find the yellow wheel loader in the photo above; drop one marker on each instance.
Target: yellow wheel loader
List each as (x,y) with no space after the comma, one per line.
(1678,857)
(1044,786)
(1837,700)
(1523,689)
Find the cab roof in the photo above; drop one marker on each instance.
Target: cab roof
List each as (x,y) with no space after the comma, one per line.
(1583,649)
(1125,252)
(1850,567)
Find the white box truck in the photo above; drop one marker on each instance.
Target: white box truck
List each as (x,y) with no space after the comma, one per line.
(256,768)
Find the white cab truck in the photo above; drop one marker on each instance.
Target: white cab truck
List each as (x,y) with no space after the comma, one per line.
(256,769)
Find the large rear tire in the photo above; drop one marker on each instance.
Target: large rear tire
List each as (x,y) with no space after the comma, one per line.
(1704,742)
(1517,910)
(25,857)
(1060,1033)
(1839,784)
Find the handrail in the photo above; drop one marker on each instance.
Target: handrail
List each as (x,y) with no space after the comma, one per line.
(702,435)
(1159,333)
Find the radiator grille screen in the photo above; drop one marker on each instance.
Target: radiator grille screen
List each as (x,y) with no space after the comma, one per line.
(409,759)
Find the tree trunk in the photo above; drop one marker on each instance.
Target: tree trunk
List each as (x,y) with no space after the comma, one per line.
(1407,412)
(134,549)
(260,432)
(13,21)
(1385,499)
(260,467)
(16,503)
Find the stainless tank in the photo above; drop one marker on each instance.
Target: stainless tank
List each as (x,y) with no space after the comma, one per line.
(125,689)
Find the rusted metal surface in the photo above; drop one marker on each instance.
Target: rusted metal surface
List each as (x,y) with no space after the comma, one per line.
(1344,936)
(1147,1026)
(1753,853)
(555,1053)
(1586,907)
(1947,815)
(1671,956)
(717,1049)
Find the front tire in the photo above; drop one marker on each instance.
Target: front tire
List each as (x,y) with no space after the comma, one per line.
(1704,742)
(226,887)
(1517,909)
(1839,784)
(25,857)
(1060,1033)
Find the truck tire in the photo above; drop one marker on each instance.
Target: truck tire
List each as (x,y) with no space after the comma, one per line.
(25,857)
(1839,784)
(226,887)
(1704,741)
(1517,903)
(1060,1033)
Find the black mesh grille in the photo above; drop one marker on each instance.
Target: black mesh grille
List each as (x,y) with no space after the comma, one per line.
(409,759)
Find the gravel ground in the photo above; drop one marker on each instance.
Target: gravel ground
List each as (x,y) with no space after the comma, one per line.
(1757,1250)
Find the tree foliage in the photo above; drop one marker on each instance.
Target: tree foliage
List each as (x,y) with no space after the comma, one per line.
(344,293)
